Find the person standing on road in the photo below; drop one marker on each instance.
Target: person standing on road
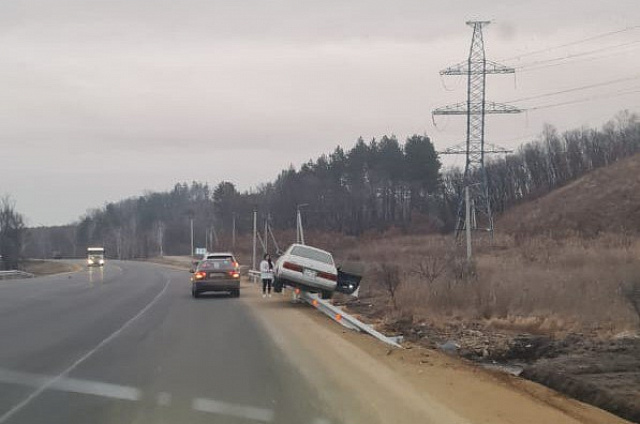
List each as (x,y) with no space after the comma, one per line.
(266,274)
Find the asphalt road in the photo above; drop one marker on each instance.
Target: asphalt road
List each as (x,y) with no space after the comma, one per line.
(128,344)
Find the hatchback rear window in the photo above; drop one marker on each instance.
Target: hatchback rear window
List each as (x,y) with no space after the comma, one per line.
(216,264)
(218,257)
(312,254)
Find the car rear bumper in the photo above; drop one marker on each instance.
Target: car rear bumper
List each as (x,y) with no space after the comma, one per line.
(223,285)
(297,279)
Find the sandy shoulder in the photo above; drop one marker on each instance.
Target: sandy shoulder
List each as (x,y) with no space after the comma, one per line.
(369,383)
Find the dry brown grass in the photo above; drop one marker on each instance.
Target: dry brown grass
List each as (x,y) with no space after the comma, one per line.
(537,285)
(45,267)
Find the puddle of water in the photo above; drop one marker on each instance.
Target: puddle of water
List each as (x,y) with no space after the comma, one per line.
(505,368)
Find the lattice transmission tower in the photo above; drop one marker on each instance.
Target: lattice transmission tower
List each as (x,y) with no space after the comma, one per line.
(478,212)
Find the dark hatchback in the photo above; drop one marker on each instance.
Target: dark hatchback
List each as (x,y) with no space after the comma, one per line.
(221,274)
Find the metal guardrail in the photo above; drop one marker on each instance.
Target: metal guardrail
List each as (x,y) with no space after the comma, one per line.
(14,273)
(338,315)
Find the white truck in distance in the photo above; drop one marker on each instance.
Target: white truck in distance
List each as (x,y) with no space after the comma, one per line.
(95,256)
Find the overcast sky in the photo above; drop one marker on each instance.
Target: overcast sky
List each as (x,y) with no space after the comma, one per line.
(104,99)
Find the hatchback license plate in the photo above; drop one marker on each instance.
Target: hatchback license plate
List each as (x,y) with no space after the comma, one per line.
(216,275)
(310,273)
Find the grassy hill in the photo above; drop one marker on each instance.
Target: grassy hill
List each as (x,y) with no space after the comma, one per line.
(606,200)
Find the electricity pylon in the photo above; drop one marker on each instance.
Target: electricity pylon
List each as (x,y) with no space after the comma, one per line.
(476,68)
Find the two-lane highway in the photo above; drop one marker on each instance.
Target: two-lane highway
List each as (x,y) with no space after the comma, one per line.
(128,344)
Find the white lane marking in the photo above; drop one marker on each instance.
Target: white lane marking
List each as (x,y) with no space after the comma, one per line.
(74,385)
(164,399)
(120,392)
(53,380)
(97,388)
(232,410)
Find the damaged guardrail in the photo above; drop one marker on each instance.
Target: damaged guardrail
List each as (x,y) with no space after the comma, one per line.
(337,314)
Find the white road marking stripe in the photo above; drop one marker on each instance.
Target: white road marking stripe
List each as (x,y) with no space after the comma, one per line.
(232,410)
(74,385)
(47,384)
(97,388)
(120,392)
(164,399)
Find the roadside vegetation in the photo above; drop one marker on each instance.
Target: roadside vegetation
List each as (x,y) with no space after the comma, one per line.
(536,285)
(40,267)
(12,234)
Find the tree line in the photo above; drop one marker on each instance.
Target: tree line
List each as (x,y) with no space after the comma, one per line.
(372,186)
(12,234)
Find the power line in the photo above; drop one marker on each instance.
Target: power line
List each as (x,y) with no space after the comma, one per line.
(571,56)
(587,99)
(572,90)
(573,43)
(585,59)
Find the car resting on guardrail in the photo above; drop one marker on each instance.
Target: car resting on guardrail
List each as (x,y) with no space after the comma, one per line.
(313,270)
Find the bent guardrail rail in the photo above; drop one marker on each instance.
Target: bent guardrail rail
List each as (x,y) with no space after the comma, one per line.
(338,315)
(14,273)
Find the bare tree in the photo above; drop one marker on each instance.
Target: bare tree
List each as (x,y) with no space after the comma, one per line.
(389,278)
(432,267)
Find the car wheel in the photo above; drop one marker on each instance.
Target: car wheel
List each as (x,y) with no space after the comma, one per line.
(195,293)
(326,294)
(236,293)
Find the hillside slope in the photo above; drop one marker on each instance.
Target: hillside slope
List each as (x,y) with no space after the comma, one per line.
(605,200)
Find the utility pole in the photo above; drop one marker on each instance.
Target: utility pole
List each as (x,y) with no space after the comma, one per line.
(266,234)
(191,223)
(299,229)
(233,231)
(476,68)
(467,222)
(255,236)
(214,237)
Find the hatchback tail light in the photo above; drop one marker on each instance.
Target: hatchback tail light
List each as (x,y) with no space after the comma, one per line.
(200,275)
(234,274)
(292,266)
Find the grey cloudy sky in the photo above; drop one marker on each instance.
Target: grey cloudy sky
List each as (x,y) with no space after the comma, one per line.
(104,99)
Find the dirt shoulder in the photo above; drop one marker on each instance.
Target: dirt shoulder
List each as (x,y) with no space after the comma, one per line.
(40,267)
(182,262)
(368,383)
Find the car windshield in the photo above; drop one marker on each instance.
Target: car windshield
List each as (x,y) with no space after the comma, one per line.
(313,254)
